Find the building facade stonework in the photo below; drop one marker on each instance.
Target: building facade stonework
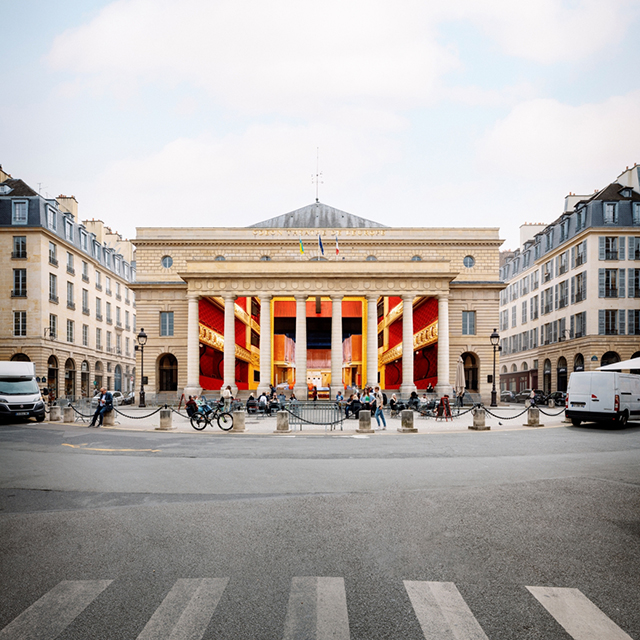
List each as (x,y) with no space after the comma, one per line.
(572,301)
(245,307)
(67,305)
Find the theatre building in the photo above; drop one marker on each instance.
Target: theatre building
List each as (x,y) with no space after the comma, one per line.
(316,297)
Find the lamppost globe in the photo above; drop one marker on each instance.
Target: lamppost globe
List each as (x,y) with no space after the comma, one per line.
(495,338)
(142,340)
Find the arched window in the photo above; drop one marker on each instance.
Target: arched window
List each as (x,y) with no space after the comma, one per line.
(168,372)
(524,367)
(98,377)
(578,362)
(70,379)
(219,258)
(546,376)
(514,367)
(562,374)
(416,259)
(611,357)
(20,357)
(117,378)
(470,371)
(265,258)
(84,379)
(372,258)
(317,259)
(52,376)
(504,369)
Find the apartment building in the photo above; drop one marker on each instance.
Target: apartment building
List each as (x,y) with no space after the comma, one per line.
(67,304)
(572,301)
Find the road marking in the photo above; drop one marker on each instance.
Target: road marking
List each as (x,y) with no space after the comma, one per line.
(186,610)
(317,610)
(49,616)
(580,618)
(85,448)
(442,612)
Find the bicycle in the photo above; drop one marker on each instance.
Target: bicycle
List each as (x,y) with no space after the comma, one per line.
(206,414)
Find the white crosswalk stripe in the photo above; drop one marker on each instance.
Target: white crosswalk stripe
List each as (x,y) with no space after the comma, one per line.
(49,616)
(186,610)
(580,618)
(442,612)
(317,610)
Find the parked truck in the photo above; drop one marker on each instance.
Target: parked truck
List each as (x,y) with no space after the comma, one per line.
(603,396)
(20,396)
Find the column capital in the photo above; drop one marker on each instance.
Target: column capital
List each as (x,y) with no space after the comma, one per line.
(301,296)
(265,296)
(229,296)
(192,295)
(443,294)
(372,297)
(408,296)
(336,297)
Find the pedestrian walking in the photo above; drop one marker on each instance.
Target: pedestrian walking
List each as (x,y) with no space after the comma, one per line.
(226,397)
(379,400)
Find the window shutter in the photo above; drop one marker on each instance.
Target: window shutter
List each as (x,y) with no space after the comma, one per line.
(621,293)
(584,249)
(571,326)
(632,329)
(557,264)
(632,247)
(601,250)
(621,327)
(573,257)
(601,322)
(600,283)
(584,285)
(621,243)
(573,289)
(551,272)
(555,306)
(632,282)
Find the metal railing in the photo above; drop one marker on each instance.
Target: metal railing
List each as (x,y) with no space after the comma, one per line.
(314,413)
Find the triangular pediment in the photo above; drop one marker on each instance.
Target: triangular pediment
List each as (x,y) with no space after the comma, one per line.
(317,216)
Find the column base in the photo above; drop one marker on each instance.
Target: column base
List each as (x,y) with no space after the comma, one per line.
(444,390)
(301,392)
(405,390)
(191,390)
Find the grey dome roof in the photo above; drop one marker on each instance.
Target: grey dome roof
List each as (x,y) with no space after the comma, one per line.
(317,216)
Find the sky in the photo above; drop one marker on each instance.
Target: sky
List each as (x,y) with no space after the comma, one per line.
(481,113)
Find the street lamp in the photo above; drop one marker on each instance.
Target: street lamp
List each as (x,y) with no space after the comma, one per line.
(142,340)
(495,341)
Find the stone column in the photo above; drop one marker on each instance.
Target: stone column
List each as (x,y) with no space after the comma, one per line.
(229,363)
(265,343)
(301,388)
(444,381)
(372,341)
(336,345)
(193,346)
(408,384)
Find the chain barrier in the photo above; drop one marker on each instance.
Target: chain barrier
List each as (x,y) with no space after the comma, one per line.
(551,414)
(494,415)
(138,417)
(83,415)
(180,414)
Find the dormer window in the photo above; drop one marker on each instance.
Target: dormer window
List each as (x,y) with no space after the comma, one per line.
(5,189)
(20,212)
(626,192)
(610,213)
(68,229)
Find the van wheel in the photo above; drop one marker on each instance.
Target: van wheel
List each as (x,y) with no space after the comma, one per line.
(576,422)
(623,418)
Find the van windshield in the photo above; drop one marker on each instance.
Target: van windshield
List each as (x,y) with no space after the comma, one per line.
(18,386)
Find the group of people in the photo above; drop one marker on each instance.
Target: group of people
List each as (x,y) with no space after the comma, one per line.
(268,401)
(369,399)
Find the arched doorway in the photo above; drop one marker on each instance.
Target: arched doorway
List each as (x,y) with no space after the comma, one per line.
(70,379)
(84,379)
(117,378)
(97,384)
(561,384)
(470,371)
(20,357)
(52,376)
(168,373)
(546,376)
(578,362)
(611,357)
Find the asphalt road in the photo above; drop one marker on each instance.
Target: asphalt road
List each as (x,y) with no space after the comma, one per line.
(120,535)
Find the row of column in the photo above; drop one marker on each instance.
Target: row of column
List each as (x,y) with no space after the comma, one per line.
(371,373)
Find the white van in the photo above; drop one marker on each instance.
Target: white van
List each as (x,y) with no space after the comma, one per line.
(19,391)
(603,396)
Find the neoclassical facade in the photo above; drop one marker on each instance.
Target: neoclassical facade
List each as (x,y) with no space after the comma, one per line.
(260,305)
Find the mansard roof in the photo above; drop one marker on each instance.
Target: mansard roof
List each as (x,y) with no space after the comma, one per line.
(317,216)
(19,188)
